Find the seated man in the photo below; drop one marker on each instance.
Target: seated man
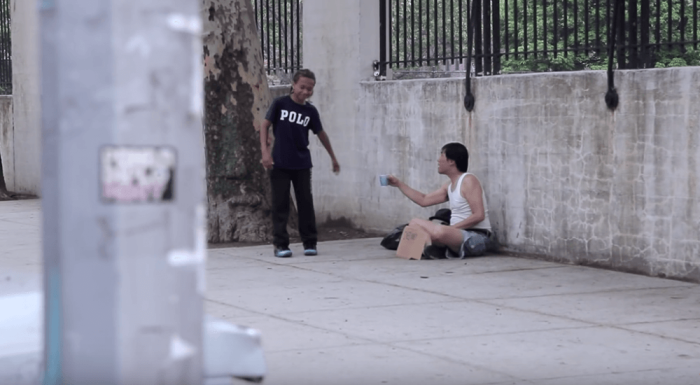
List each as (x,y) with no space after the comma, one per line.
(469,233)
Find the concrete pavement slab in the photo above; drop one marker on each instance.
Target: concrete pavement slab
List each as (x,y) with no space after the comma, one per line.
(685,330)
(590,351)
(306,296)
(384,266)
(373,364)
(283,335)
(515,284)
(431,321)
(618,307)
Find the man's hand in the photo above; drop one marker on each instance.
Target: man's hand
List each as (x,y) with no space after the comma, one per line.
(393,181)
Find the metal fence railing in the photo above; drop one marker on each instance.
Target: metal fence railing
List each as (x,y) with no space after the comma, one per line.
(5,49)
(280,27)
(537,35)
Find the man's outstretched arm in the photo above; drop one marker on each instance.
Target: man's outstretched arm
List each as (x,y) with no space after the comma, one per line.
(424,200)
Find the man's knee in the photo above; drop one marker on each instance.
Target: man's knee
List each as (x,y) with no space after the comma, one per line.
(475,246)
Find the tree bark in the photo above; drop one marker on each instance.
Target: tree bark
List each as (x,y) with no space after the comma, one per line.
(236,98)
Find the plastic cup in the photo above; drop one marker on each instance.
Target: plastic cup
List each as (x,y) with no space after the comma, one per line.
(383,180)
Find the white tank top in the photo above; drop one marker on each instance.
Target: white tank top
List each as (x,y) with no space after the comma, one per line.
(460,207)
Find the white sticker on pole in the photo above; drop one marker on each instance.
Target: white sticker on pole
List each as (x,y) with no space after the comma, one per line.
(137,174)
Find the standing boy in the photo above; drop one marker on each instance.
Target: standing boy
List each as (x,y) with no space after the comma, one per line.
(289,161)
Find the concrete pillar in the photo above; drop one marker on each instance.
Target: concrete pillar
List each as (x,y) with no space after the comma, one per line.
(341,41)
(122,191)
(22,168)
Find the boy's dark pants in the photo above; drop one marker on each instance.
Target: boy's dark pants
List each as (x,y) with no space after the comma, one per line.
(281,180)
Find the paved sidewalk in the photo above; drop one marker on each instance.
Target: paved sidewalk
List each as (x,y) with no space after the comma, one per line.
(355,314)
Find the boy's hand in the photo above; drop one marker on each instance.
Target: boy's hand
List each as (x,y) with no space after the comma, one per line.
(336,167)
(267,161)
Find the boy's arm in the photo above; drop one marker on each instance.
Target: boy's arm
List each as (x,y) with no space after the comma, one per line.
(327,144)
(265,145)
(424,200)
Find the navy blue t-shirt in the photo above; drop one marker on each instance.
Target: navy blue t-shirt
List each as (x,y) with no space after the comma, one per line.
(291,124)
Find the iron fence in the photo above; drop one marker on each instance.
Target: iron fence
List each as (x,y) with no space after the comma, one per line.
(5,49)
(537,35)
(279,28)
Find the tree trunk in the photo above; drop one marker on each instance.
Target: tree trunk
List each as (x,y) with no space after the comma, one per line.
(236,99)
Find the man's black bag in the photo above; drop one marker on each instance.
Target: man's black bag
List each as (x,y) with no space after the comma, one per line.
(391,241)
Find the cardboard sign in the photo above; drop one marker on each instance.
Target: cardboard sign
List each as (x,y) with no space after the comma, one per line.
(412,243)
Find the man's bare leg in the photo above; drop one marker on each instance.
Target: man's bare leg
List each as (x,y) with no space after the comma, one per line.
(441,235)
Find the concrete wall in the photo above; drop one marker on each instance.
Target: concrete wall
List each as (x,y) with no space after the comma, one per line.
(25,147)
(340,44)
(6,136)
(565,177)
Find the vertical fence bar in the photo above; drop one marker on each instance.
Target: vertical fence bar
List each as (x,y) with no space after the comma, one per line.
(299,46)
(621,62)
(267,24)
(420,33)
(5,49)
(695,23)
(670,20)
(273,36)
(279,33)
(682,25)
(505,30)
(586,26)
(405,39)
(291,36)
(427,30)
(608,24)
(452,31)
(394,21)
(576,41)
(413,35)
(286,36)
(657,34)
(515,31)
(382,36)
(534,27)
(644,28)
(632,37)
(566,46)
(496,12)
(525,39)
(478,39)
(444,33)
(555,21)
(461,23)
(488,68)
(597,28)
(544,27)
(437,35)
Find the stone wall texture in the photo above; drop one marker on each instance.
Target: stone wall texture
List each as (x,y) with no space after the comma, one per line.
(566,178)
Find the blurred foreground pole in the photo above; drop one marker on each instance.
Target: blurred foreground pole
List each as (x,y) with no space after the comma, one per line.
(122,191)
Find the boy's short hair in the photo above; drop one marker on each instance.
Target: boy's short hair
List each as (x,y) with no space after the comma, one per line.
(304,73)
(458,153)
